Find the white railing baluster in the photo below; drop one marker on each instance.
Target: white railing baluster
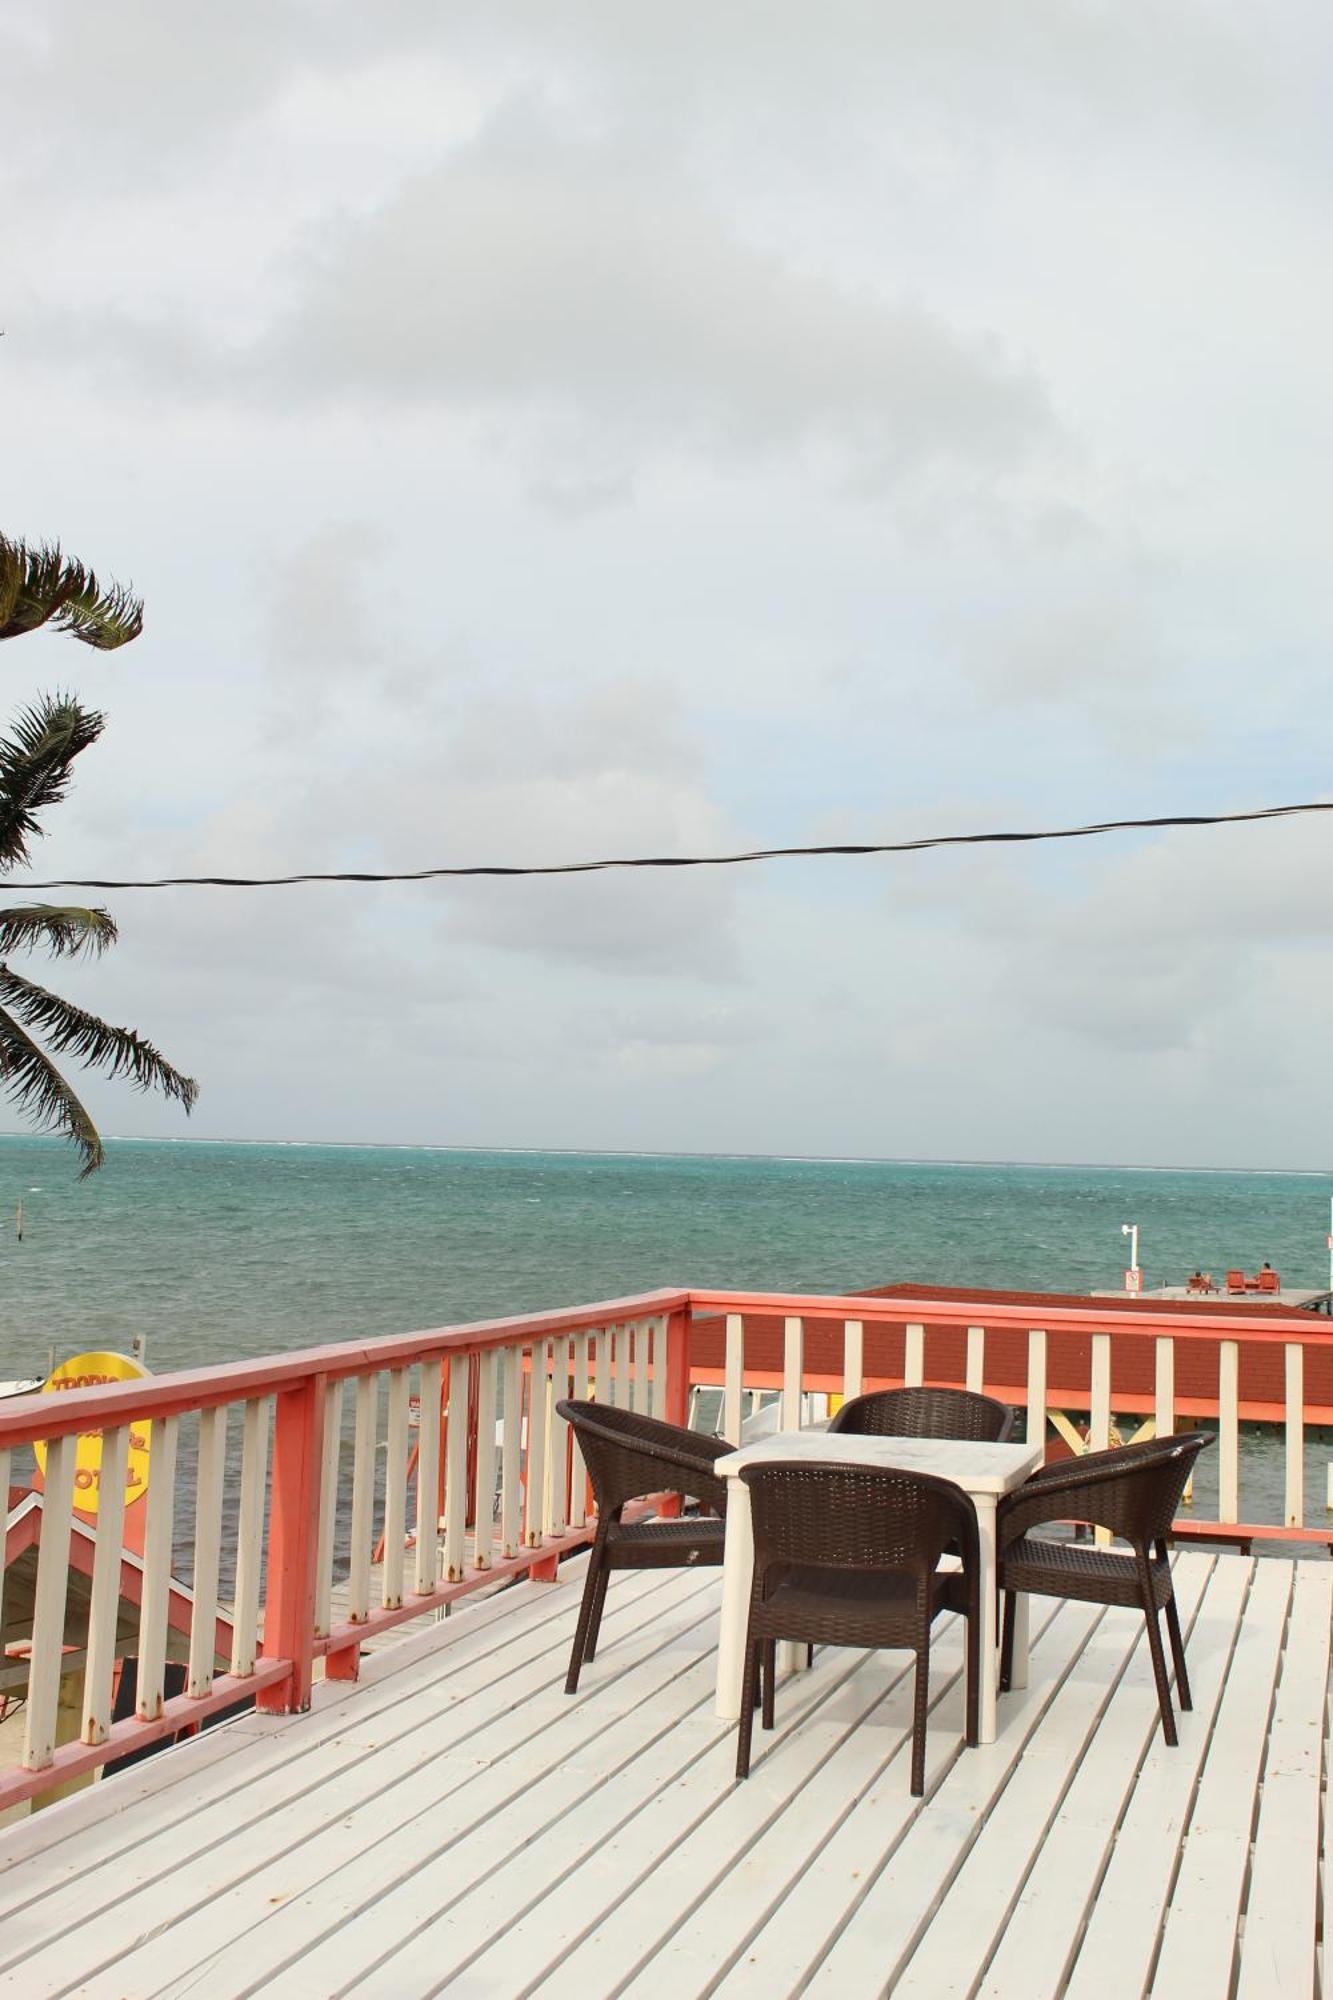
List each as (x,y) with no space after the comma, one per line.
(250,1538)
(734,1379)
(558,1512)
(1228,1430)
(538,1415)
(151,1672)
(976,1359)
(1164,1396)
(914,1356)
(657,1406)
(853,1358)
(1099,1437)
(578,1472)
(328,1496)
(793,1372)
(483,1499)
(395,1492)
(48,1620)
(455,1470)
(601,1366)
(1036,1412)
(4,1503)
(641,1403)
(426,1569)
(105,1605)
(363,1499)
(511,1447)
(1295,1507)
(207,1549)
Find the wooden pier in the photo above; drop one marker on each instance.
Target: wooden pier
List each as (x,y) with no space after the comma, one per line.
(454,1822)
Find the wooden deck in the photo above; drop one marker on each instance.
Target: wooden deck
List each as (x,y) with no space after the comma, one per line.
(454,1822)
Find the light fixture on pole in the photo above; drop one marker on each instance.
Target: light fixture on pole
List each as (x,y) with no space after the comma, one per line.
(1133,1276)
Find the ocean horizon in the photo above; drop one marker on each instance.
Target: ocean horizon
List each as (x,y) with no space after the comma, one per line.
(212,1248)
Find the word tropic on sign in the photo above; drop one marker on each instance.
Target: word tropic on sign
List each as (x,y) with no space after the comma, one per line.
(89,1371)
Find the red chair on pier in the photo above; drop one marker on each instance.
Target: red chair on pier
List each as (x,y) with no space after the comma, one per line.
(1268,1281)
(1235,1281)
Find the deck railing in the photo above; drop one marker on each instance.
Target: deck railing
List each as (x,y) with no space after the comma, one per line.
(317,1471)
(1159,1368)
(272,1481)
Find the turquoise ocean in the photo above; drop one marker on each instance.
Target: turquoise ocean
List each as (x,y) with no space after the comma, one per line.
(213,1251)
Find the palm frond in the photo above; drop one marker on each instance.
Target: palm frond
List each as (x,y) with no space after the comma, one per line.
(35,762)
(69,1030)
(39,585)
(64,932)
(31,1080)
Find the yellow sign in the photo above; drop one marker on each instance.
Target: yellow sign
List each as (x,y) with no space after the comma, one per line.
(87,1371)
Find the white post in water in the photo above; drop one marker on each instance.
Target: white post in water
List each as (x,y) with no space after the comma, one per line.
(1133,1276)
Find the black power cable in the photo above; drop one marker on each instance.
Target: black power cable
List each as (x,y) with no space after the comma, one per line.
(697,860)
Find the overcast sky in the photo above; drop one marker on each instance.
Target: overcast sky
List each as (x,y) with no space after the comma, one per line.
(548,430)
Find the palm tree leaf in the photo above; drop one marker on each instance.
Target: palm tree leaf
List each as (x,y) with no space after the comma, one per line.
(35,763)
(70,1031)
(65,932)
(38,585)
(31,1081)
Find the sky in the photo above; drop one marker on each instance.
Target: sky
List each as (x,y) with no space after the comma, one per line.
(548,431)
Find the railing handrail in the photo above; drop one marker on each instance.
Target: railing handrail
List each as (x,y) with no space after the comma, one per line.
(1263,1327)
(23,1418)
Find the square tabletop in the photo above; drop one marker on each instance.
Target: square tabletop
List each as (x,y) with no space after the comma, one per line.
(978,1467)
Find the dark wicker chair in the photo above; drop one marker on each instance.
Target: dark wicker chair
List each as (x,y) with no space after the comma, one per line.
(1134,1491)
(847,1555)
(628,1456)
(928,1413)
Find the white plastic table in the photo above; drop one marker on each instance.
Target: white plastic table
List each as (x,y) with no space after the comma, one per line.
(984,1471)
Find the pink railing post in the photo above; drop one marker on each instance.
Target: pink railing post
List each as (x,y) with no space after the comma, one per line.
(293,1543)
(677,1401)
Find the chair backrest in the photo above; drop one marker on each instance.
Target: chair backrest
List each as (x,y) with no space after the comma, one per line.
(861,1517)
(628,1456)
(1235,1281)
(1133,1490)
(930,1413)
(1269,1281)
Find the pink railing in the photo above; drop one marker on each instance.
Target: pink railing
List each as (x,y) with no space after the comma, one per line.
(499,1492)
(301,1466)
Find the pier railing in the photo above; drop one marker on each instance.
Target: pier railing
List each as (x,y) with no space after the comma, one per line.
(300,1464)
(271,1482)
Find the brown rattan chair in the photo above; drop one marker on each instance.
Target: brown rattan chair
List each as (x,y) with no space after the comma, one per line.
(628,1457)
(1133,1491)
(929,1413)
(847,1555)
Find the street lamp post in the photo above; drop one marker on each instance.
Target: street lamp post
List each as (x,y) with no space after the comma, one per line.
(1133,1276)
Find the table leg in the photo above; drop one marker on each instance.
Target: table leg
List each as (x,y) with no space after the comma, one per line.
(989,1675)
(1019,1677)
(737,1572)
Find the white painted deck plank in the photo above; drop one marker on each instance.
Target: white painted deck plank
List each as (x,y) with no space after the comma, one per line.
(456,1822)
(886,1923)
(1042,1930)
(1116,1952)
(759,1886)
(673,1795)
(373,1884)
(635,1886)
(1199,1936)
(1278,1947)
(269,1823)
